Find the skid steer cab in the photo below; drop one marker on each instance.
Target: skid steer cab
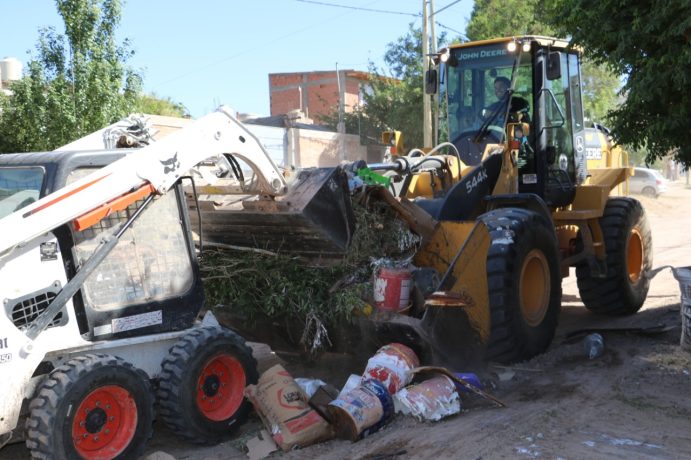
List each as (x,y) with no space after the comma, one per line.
(515,204)
(101,294)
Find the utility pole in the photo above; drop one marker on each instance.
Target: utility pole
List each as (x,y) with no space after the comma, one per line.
(426,101)
(434,109)
(341,115)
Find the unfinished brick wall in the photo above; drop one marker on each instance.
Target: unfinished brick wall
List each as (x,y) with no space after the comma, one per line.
(317,148)
(315,93)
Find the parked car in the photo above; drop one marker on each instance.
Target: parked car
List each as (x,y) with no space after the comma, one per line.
(648,182)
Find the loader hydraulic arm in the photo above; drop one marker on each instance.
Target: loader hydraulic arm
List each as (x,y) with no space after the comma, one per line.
(152,169)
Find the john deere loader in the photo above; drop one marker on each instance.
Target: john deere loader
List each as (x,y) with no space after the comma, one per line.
(515,206)
(505,207)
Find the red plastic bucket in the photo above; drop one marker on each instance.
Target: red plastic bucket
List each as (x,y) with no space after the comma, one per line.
(392,288)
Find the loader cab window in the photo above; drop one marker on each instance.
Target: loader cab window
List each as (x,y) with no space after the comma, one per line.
(19,187)
(562,136)
(151,262)
(484,92)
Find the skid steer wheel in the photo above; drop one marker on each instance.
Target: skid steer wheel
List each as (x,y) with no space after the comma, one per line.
(628,248)
(92,407)
(524,284)
(201,387)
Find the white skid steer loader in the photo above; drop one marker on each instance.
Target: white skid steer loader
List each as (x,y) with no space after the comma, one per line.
(100,292)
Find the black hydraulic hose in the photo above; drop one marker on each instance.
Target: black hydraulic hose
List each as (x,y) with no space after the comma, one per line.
(199,212)
(235,165)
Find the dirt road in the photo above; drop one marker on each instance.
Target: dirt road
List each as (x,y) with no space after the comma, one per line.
(632,402)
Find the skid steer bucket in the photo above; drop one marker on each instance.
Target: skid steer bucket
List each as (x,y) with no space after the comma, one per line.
(314,219)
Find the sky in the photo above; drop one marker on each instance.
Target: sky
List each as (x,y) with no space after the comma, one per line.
(205,53)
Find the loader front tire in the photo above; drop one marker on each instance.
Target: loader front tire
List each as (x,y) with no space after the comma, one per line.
(201,389)
(524,284)
(92,407)
(629,255)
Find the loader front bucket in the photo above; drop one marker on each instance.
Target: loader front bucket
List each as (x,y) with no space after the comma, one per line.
(314,219)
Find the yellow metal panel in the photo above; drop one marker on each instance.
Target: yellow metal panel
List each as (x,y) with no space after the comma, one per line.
(507,182)
(424,184)
(427,183)
(542,40)
(608,177)
(589,203)
(590,197)
(469,273)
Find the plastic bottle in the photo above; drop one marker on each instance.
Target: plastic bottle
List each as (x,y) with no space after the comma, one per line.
(594,345)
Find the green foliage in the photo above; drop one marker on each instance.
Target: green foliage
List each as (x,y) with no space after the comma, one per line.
(507,18)
(394,98)
(153,105)
(290,291)
(78,82)
(272,286)
(649,42)
(599,88)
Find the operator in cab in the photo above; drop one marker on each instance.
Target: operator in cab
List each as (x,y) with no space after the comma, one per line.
(501,88)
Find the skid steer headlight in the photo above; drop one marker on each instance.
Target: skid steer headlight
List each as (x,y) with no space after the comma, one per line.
(511,47)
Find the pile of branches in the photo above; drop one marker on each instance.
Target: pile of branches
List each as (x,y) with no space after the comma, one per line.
(255,285)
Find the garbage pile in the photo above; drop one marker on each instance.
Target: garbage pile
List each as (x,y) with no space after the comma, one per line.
(300,412)
(254,290)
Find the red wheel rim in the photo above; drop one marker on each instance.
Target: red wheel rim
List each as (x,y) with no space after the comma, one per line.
(220,387)
(105,423)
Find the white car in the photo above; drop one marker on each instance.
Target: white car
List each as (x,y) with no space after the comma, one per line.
(648,182)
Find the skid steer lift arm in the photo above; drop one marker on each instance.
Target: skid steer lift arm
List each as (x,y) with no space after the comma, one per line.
(152,169)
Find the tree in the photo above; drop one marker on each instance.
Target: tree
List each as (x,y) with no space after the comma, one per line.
(154,105)
(506,18)
(77,84)
(599,86)
(394,97)
(649,42)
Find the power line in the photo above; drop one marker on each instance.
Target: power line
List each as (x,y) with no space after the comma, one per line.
(371,10)
(445,7)
(449,28)
(250,50)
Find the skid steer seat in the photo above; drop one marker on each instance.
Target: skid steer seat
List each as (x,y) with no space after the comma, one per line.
(465,200)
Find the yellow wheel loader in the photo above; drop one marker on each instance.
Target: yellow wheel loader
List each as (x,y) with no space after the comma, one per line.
(515,206)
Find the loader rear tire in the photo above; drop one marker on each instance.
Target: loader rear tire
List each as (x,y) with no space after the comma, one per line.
(201,389)
(524,284)
(92,407)
(629,255)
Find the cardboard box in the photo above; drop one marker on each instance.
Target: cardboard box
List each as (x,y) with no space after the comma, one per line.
(285,412)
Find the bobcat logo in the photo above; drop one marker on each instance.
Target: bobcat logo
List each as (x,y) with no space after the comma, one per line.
(171,164)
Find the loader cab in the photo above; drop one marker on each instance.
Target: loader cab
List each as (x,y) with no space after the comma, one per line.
(149,283)
(539,114)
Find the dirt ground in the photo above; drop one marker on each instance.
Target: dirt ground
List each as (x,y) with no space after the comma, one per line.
(632,402)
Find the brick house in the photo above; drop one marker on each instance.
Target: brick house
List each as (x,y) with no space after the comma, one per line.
(316,93)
